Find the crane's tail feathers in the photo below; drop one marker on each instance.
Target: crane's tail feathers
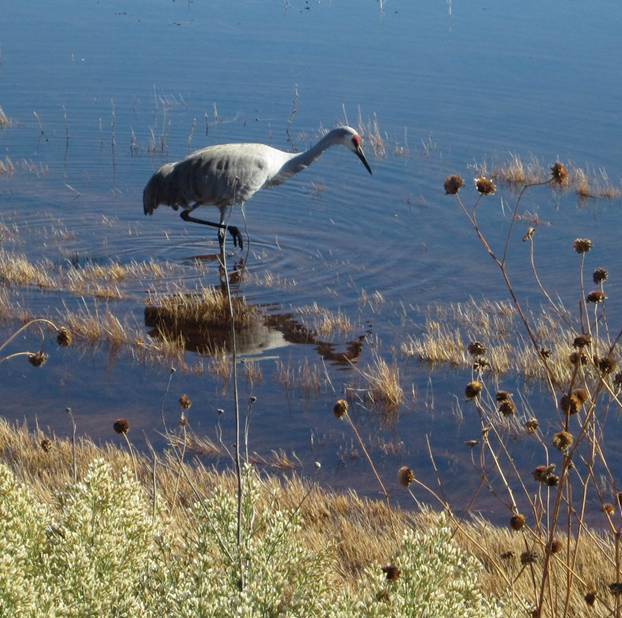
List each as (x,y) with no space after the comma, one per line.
(150,196)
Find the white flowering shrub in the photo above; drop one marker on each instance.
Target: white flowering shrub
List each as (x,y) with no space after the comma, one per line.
(100,553)
(433,577)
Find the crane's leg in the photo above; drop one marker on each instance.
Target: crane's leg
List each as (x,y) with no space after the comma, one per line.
(222,228)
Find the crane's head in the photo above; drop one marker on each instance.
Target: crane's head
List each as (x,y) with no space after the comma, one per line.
(354,142)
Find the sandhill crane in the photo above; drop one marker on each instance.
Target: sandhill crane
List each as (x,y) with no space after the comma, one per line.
(231,174)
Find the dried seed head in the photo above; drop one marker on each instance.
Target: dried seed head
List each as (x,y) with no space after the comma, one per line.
(590,597)
(185,403)
(485,186)
(563,440)
(577,357)
(46,444)
(600,275)
(406,476)
(64,337)
(545,353)
(615,588)
(554,547)
(340,408)
(392,572)
(582,245)
(582,395)
(507,555)
(607,365)
(517,521)
(453,184)
(582,341)
(596,297)
(529,233)
(507,407)
(37,359)
(569,404)
(541,473)
(473,389)
(471,443)
(608,509)
(503,395)
(121,425)
(476,349)
(552,480)
(252,399)
(528,557)
(559,173)
(480,364)
(532,425)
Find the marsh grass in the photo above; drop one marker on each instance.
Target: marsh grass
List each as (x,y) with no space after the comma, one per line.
(307,378)
(382,381)
(521,172)
(325,322)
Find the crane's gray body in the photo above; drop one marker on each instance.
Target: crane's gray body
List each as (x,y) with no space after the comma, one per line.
(231,174)
(220,175)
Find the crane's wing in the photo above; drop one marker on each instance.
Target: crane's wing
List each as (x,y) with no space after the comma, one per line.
(227,174)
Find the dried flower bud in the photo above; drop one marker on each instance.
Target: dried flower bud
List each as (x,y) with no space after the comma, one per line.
(507,407)
(596,297)
(577,357)
(559,173)
(480,364)
(608,509)
(341,408)
(485,186)
(582,395)
(392,572)
(607,365)
(453,184)
(582,341)
(600,275)
(554,547)
(507,555)
(528,557)
(473,389)
(64,337)
(503,395)
(569,404)
(563,440)
(37,359)
(590,597)
(582,245)
(46,444)
(476,349)
(529,233)
(406,476)
(185,403)
(531,425)
(552,480)
(541,473)
(517,521)
(121,425)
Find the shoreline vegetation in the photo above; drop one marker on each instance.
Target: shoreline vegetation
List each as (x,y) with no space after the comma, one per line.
(344,542)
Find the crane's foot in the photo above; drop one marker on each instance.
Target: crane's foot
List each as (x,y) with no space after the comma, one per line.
(236,235)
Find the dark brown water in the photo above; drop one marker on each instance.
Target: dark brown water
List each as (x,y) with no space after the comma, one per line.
(100,94)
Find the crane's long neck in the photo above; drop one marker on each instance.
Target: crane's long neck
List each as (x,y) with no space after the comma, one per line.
(302,160)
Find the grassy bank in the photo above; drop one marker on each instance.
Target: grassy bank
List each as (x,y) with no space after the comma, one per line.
(145,534)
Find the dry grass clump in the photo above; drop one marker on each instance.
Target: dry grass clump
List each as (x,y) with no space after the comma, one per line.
(5,121)
(373,136)
(383,383)
(325,322)
(306,377)
(16,269)
(585,184)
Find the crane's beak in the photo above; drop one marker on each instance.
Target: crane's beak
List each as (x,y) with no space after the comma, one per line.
(361,155)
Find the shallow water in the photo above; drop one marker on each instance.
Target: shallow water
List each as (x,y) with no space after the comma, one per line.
(101,94)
